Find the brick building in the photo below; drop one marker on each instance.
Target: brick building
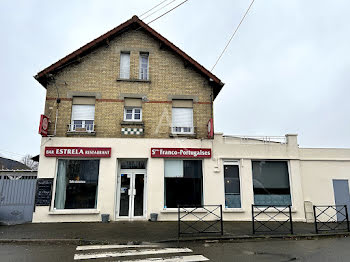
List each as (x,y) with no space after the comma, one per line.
(130,133)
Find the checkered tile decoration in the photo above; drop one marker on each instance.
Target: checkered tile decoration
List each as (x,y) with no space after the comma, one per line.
(132,131)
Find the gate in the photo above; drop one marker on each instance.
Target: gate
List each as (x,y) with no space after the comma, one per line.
(272,219)
(331,218)
(17,194)
(206,219)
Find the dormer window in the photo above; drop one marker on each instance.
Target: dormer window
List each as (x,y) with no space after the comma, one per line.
(144,67)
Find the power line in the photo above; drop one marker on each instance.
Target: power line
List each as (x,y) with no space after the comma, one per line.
(234,33)
(152,8)
(168,11)
(159,9)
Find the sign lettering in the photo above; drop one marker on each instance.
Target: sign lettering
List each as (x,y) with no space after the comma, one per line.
(181,152)
(78,151)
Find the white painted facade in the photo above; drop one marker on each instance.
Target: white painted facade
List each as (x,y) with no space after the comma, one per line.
(311,172)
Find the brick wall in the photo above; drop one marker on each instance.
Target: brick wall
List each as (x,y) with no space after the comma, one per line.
(97,74)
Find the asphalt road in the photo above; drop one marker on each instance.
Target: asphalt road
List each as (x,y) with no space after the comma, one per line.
(336,249)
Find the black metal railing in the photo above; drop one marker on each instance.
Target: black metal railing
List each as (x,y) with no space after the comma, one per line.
(194,220)
(331,218)
(272,219)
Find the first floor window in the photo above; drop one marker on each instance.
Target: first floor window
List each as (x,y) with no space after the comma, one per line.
(183,183)
(271,183)
(132,114)
(76,184)
(83,118)
(182,120)
(232,184)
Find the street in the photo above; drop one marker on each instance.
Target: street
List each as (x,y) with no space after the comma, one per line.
(333,249)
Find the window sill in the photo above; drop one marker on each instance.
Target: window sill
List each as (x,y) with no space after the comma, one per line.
(77,133)
(175,210)
(74,212)
(233,210)
(133,80)
(132,123)
(182,135)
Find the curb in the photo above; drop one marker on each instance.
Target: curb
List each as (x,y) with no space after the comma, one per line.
(227,238)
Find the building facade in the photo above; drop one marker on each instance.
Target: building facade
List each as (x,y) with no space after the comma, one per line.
(130,133)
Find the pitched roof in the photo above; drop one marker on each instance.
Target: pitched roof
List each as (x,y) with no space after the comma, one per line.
(7,164)
(134,23)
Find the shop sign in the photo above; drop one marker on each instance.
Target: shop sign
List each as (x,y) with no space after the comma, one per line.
(43,125)
(210,128)
(181,152)
(78,151)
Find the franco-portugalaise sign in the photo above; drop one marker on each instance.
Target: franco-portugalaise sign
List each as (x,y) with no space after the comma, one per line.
(181,152)
(78,151)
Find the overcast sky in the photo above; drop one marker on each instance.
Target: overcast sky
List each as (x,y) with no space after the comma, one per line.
(286,71)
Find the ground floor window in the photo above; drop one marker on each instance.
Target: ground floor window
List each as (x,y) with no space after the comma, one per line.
(271,183)
(183,183)
(76,184)
(232,184)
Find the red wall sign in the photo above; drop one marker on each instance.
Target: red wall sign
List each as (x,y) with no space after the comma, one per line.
(78,151)
(210,128)
(181,152)
(43,125)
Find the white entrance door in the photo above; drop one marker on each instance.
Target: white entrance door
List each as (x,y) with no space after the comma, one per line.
(131,188)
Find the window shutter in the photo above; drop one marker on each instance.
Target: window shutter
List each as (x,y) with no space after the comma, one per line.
(125,65)
(182,103)
(132,102)
(182,117)
(83,112)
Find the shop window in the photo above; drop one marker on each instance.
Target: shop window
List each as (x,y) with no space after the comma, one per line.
(76,184)
(144,67)
(124,65)
(182,117)
(183,183)
(271,183)
(232,184)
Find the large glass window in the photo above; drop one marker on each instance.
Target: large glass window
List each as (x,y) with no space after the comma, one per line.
(232,184)
(76,184)
(271,183)
(183,183)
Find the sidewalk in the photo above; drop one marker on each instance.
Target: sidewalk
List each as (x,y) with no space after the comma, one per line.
(123,232)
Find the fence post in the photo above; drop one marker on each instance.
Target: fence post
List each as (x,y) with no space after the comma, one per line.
(178,221)
(253,219)
(222,223)
(347,217)
(291,220)
(316,228)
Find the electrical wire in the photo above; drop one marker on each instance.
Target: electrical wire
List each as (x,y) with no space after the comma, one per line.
(159,9)
(167,11)
(152,8)
(234,33)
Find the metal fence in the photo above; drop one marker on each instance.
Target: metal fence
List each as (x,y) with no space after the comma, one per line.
(17,193)
(331,218)
(194,220)
(272,219)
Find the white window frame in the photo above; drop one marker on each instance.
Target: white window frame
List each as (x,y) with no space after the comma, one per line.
(182,129)
(84,125)
(122,72)
(141,69)
(233,162)
(133,114)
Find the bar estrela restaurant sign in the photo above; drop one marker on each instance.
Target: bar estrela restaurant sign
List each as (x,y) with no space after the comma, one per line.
(181,152)
(78,151)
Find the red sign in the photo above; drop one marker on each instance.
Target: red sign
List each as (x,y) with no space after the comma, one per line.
(181,152)
(210,128)
(43,125)
(78,151)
